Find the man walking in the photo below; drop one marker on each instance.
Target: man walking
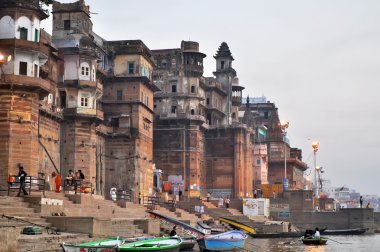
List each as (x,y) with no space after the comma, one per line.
(361,201)
(22,175)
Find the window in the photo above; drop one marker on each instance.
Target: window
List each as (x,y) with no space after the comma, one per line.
(114,122)
(23,68)
(174,88)
(208,101)
(266,115)
(84,101)
(258,161)
(131,67)
(93,74)
(192,89)
(36,35)
(35,70)
(174,108)
(66,24)
(192,112)
(119,95)
(222,64)
(85,71)
(23,33)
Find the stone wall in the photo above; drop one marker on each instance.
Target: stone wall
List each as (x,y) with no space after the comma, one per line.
(18,133)
(344,219)
(229,161)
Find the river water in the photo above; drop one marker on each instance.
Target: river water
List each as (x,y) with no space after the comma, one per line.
(367,243)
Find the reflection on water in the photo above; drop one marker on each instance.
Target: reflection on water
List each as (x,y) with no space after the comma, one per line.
(336,243)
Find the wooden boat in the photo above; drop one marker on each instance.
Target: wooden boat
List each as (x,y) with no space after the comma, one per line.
(108,245)
(237,224)
(164,244)
(314,241)
(353,231)
(187,243)
(277,235)
(232,240)
(203,227)
(186,228)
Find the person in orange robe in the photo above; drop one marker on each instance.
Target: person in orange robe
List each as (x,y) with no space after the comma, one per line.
(57,181)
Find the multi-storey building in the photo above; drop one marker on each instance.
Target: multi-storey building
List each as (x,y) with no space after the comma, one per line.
(195,139)
(264,117)
(80,89)
(29,121)
(179,113)
(128,107)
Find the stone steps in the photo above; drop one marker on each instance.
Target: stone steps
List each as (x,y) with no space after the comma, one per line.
(45,242)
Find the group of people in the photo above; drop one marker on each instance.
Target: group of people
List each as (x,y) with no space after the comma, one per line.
(310,234)
(71,179)
(361,203)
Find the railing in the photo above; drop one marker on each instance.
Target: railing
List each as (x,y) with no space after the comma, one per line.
(22,80)
(31,184)
(77,186)
(124,195)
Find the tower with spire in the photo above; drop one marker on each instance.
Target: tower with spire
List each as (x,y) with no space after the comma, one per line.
(225,74)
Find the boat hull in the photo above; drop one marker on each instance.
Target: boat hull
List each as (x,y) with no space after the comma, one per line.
(356,231)
(187,244)
(109,245)
(233,240)
(314,241)
(171,244)
(223,245)
(68,248)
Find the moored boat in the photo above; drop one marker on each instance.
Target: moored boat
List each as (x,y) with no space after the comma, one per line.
(108,245)
(314,240)
(352,231)
(232,240)
(164,244)
(187,243)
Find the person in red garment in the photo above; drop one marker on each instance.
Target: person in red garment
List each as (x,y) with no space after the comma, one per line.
(58,181)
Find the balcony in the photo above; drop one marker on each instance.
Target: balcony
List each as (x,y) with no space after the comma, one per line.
(114,131)
(25,45)
(23,81)
(236,100)
(183,116)
(84,112)
(90,84)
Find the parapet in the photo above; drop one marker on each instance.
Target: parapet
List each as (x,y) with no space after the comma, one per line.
(78,6)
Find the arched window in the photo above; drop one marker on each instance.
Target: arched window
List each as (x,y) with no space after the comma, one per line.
(192,111)
(84,71)
(233,115)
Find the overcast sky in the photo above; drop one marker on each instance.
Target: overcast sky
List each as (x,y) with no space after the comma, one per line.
(318,61)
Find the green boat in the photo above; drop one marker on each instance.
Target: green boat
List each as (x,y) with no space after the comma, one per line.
(314,240)
(109,245)
(167,244)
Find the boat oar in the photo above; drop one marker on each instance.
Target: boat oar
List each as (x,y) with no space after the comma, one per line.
(338,241)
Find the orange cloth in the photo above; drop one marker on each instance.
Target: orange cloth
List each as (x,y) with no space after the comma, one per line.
(57,181)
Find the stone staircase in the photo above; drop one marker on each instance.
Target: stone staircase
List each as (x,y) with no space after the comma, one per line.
(96,206)
(19,212)
(179,214)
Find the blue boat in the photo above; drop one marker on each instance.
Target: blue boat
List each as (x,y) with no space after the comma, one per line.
(232,240)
